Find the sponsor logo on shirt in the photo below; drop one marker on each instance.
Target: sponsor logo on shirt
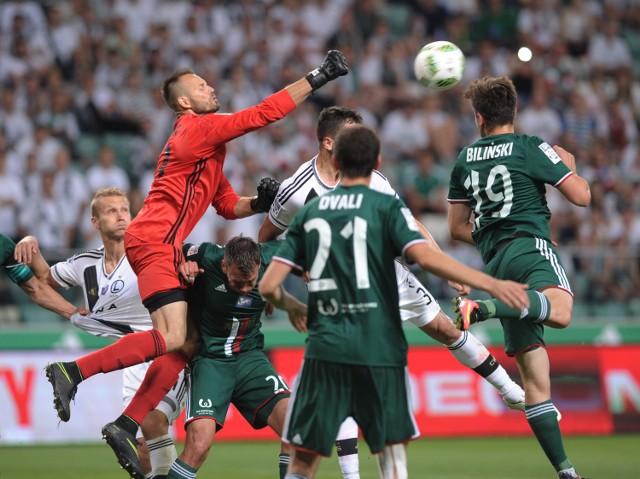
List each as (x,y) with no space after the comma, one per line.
(244,301)
(222,288)
(550,152)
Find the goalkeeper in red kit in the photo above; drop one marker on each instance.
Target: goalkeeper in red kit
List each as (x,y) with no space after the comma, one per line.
(188,179)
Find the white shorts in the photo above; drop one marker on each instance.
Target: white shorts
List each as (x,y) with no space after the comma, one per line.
(416,303)
(171,405)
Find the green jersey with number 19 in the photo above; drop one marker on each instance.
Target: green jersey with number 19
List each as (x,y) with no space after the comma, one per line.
(229,322)
(503,178)
(347,240)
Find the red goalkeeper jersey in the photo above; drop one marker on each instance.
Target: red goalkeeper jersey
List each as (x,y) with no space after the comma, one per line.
(189,174)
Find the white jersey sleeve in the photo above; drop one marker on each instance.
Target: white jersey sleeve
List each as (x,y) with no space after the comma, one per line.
(381,184)
(295,192)
(70,273)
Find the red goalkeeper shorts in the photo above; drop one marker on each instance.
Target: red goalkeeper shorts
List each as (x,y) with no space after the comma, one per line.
(155,265)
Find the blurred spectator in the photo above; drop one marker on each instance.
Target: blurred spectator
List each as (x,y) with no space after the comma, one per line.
(15,123)
(488,61)
(442,128)
(106,174)
(538,24)
(539,118)
(580,124)
(497,22)
(427,191)
(70,189)
(577,24)
(48,217)
(367,15)
(65,37)
(61,119)
(30,10)
(434,17)
(403,132)
(11,198)
(623,275)
(42,144)
(608,52)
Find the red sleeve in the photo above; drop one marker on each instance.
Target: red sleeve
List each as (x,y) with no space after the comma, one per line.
(225,199)
(221,128)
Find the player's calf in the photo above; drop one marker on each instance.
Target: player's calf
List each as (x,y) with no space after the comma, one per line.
(392,462)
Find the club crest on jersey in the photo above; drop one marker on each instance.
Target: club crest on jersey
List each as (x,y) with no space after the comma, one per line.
(117,286)
(244,301)
(193,249)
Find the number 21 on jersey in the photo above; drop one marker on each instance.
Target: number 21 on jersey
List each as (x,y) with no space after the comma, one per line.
(355,230)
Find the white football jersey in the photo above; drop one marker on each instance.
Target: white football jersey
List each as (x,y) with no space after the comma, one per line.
(113,299)
(304,185)
(416,303)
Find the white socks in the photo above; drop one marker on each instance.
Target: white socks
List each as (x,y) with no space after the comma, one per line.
(162,453)
(347,445)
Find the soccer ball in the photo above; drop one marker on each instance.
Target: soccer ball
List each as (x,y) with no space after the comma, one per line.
(439,65)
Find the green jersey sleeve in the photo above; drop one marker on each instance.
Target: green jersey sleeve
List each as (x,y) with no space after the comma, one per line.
(268,250)
(18,273)
(457,192)
(292,247)
(403,227)
(205,254)
(544,163)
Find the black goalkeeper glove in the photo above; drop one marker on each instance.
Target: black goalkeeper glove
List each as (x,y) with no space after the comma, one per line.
(267,191)
(333,66)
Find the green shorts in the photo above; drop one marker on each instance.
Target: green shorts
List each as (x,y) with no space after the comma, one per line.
(533,261)
(248,381)
(327,393)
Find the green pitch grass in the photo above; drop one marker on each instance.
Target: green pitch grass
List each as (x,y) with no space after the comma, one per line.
(497,458)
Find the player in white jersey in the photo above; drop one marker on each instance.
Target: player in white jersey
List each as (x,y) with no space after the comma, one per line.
(111,294)
(319,176)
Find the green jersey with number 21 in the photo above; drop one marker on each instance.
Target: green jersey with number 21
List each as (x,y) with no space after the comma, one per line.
(347,240)
(503,178)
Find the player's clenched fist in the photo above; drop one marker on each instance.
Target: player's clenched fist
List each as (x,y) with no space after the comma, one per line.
(333,66)
(267,191)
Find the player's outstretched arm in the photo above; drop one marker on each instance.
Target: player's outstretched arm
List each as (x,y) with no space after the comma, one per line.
(251,205)
(271,290)
(268,231)
(461,289)
(46,297)
(512,293)
(333,66)
(28,253)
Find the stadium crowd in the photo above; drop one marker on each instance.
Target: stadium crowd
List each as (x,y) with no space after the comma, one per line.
(80,106)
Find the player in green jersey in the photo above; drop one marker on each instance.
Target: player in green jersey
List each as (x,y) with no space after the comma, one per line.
(497,202)
(231,366)
(356,355)
(40,293)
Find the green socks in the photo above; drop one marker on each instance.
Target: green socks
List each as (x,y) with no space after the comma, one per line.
(544,424)
(539,309)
